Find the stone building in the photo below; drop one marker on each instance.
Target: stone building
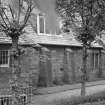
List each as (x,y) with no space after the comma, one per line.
(56,61)
(61,60)
(28,61)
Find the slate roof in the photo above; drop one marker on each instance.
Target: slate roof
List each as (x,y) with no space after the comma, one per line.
(30,38)
(23,39)
(59,40)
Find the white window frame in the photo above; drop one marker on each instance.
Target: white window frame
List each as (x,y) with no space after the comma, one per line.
(6,65)
(38,24)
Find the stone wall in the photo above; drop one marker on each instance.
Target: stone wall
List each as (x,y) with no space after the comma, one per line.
(54,65)
(57,61)
(63,66)
(29,66)
(29,63)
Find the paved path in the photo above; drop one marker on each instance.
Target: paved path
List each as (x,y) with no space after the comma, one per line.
(40,99)
(57,89)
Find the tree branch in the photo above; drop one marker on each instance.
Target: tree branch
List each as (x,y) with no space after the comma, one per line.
(27,15)
(11,12)
(6,16)
(19,11)
(3,20)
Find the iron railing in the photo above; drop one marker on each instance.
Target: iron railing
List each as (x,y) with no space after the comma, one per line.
(5,100)
(24,97)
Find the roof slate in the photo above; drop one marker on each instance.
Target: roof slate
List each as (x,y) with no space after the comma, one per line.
(23,39)
(30,38)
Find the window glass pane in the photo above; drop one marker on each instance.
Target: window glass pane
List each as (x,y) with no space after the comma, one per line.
(96,60)
(92,61)
(3,57)
(0,57)
(41,24)
(6,57)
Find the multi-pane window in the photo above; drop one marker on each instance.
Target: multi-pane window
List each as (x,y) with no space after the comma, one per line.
(41,24)
(95,60)
(4,58)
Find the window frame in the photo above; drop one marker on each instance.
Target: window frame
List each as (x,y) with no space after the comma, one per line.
(38,24)
(96,57)
(8,59)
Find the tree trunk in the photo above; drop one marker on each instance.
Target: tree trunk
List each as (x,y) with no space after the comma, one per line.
(15,70)
(15,63)
(84,68)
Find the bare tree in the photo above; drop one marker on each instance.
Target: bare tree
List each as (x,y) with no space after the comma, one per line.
(87,19)
(12,22)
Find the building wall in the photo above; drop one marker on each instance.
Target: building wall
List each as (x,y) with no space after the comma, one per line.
(65,65)
(57,60)
(54,65)
(28,64)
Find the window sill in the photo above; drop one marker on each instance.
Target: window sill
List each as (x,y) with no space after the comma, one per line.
(4,65)
(49,34)
(43,34)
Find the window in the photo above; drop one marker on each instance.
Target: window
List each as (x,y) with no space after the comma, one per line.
(95,60)
(4,58)
(41,24)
